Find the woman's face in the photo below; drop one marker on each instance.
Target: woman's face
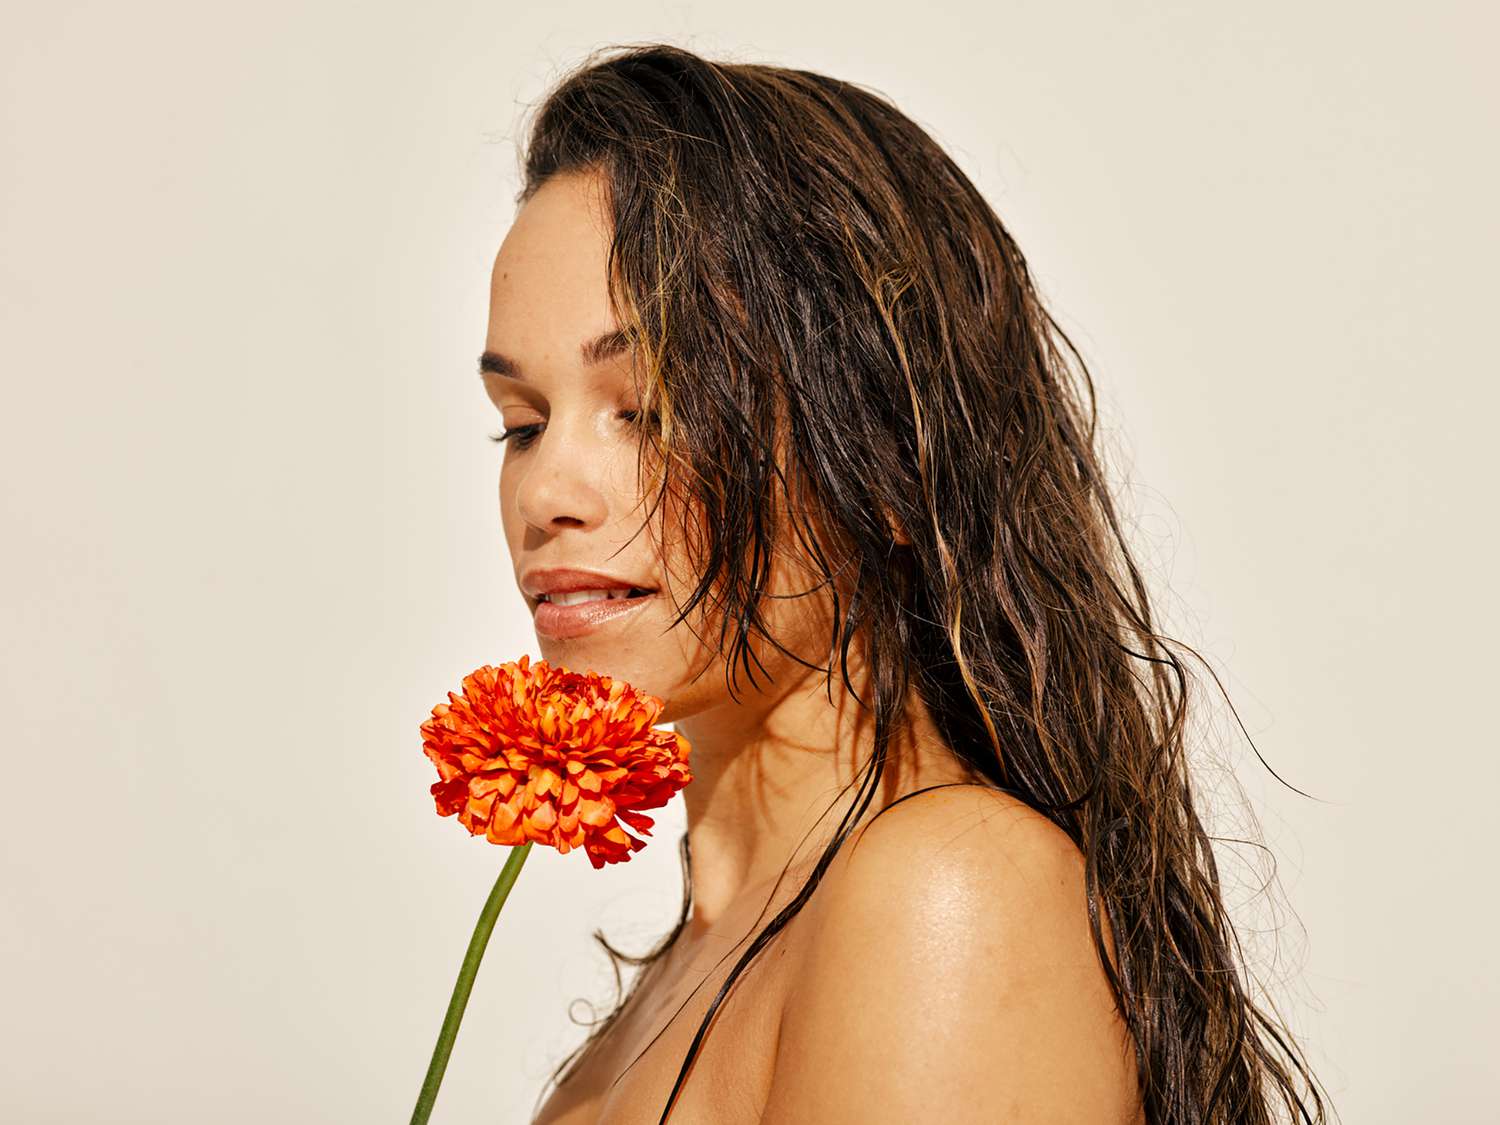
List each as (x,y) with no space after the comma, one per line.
(570,496)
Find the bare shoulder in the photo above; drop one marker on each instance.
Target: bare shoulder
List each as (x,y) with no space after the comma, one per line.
(950,974)
(963,861)
(959,827)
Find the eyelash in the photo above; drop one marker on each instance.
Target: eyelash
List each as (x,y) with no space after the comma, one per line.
(525,435)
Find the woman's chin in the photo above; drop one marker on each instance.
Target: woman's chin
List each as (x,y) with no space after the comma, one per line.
(616,660)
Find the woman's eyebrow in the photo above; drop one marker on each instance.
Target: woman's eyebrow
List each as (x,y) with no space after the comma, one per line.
(603,346)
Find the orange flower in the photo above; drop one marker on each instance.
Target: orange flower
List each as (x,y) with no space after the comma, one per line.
(529,752)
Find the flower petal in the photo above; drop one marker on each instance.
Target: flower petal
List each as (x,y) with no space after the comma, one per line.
(542,818)
(596,814)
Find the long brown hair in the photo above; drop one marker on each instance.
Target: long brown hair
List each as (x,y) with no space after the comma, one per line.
(828,310)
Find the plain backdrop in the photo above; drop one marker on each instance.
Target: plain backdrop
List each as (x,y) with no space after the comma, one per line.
(251,533)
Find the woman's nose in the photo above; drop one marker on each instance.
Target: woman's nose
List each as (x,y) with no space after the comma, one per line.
(562,484)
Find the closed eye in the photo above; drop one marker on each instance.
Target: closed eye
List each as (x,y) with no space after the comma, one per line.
(522,437)
(634,416)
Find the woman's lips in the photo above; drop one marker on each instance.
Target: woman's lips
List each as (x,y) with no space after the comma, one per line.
(563,621)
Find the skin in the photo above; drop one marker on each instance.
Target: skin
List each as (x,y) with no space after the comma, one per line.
(767,765)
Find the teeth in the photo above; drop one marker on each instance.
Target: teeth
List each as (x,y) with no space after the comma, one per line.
(578,597)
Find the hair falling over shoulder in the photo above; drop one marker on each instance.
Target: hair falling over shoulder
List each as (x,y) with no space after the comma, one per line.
(834,323)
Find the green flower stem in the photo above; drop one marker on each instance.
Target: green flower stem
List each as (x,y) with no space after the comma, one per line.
(465,985)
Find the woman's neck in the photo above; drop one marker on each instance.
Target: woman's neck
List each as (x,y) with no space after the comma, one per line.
(767,776)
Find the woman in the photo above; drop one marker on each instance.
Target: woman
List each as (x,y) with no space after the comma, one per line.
(791,443)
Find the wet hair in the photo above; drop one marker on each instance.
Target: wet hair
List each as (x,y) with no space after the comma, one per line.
(842,341)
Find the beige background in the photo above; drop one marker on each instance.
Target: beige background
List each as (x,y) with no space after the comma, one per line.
(251,531)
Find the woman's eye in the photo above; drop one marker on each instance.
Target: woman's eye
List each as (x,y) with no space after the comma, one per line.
(518,436)
(635,415)
(521,437)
